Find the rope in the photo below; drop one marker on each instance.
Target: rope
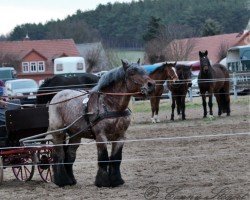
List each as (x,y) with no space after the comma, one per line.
(134,160)
(137,140)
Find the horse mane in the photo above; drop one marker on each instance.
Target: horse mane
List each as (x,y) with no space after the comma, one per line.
(160,68)
(110,77)
(116,75)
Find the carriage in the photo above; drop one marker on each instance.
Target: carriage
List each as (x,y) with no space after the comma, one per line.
(22,122)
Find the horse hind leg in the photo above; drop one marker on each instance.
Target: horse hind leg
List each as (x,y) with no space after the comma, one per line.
(114,165)
(173,107)
(102,177)
(61,177)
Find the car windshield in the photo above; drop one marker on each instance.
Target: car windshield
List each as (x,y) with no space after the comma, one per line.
(23,84)
(4,74)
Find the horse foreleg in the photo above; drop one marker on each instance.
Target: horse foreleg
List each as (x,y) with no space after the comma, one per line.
(102,177)
(178,103)
(114,165)
(183,107)
(173,107)
(61,177)
(210,104)
(204,103)
(70,156)
(156,117)
(153,108)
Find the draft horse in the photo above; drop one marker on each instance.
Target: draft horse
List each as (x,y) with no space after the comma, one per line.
(179,90)
(105,117)
(162,73)
(214,80)
(60,82)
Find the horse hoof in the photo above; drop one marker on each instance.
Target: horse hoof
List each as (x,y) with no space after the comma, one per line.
(64,184)
(153,120)
(116,182)
(158,121)
(102,179)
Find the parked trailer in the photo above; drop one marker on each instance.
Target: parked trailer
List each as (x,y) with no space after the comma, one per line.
(20,123)
(69,66)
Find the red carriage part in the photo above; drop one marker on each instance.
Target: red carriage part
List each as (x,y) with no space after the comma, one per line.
(24,171)
(44,164)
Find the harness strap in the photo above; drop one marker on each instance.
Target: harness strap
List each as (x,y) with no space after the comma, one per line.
(99,117)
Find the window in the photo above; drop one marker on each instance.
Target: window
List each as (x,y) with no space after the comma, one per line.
(79,66)
(25,67)
(33,66)
(41,66)
(59,67)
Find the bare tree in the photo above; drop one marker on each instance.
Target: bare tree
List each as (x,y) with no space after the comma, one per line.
(222,53)
(93,58)
(179,50)
(9,60)
(166,45)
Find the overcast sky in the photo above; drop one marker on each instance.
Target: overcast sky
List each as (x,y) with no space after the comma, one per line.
(16,12)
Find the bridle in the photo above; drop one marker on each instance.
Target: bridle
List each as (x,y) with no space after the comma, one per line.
(132,80)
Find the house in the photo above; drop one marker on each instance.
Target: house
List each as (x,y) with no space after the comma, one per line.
(93,51)
(35,58)
(215,45)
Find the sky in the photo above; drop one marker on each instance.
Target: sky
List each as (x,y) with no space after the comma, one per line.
(17,12)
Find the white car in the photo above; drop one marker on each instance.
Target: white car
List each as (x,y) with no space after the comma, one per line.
(23,89)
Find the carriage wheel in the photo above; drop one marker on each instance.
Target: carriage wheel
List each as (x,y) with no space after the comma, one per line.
(44,167)
(1,169)
(25,171)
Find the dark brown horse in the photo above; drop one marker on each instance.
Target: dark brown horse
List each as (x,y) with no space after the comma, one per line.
(59,82)
(214,80)
(179,90)
(162,73)
(102,115)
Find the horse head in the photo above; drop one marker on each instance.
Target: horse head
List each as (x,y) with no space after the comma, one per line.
(137,79)
(184,73)
(170,69)
(204,61)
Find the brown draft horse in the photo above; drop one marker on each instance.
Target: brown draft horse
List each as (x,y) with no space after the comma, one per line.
(214,80)
(102,115)
(162,73)
(179,90)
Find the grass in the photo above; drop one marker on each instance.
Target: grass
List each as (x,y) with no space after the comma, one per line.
(131,56)
(145,107)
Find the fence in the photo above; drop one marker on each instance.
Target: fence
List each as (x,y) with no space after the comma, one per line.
(239,85)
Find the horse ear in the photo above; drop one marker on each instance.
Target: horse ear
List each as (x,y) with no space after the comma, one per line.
(125,65)
(206,53)
(200,53)
(138,62)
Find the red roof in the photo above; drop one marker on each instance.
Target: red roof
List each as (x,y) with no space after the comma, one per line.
(49,49)
(212,44)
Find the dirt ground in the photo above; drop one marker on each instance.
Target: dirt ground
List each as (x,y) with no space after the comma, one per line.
(193,159)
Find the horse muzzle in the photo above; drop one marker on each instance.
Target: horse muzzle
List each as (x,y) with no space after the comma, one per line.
(148,88)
